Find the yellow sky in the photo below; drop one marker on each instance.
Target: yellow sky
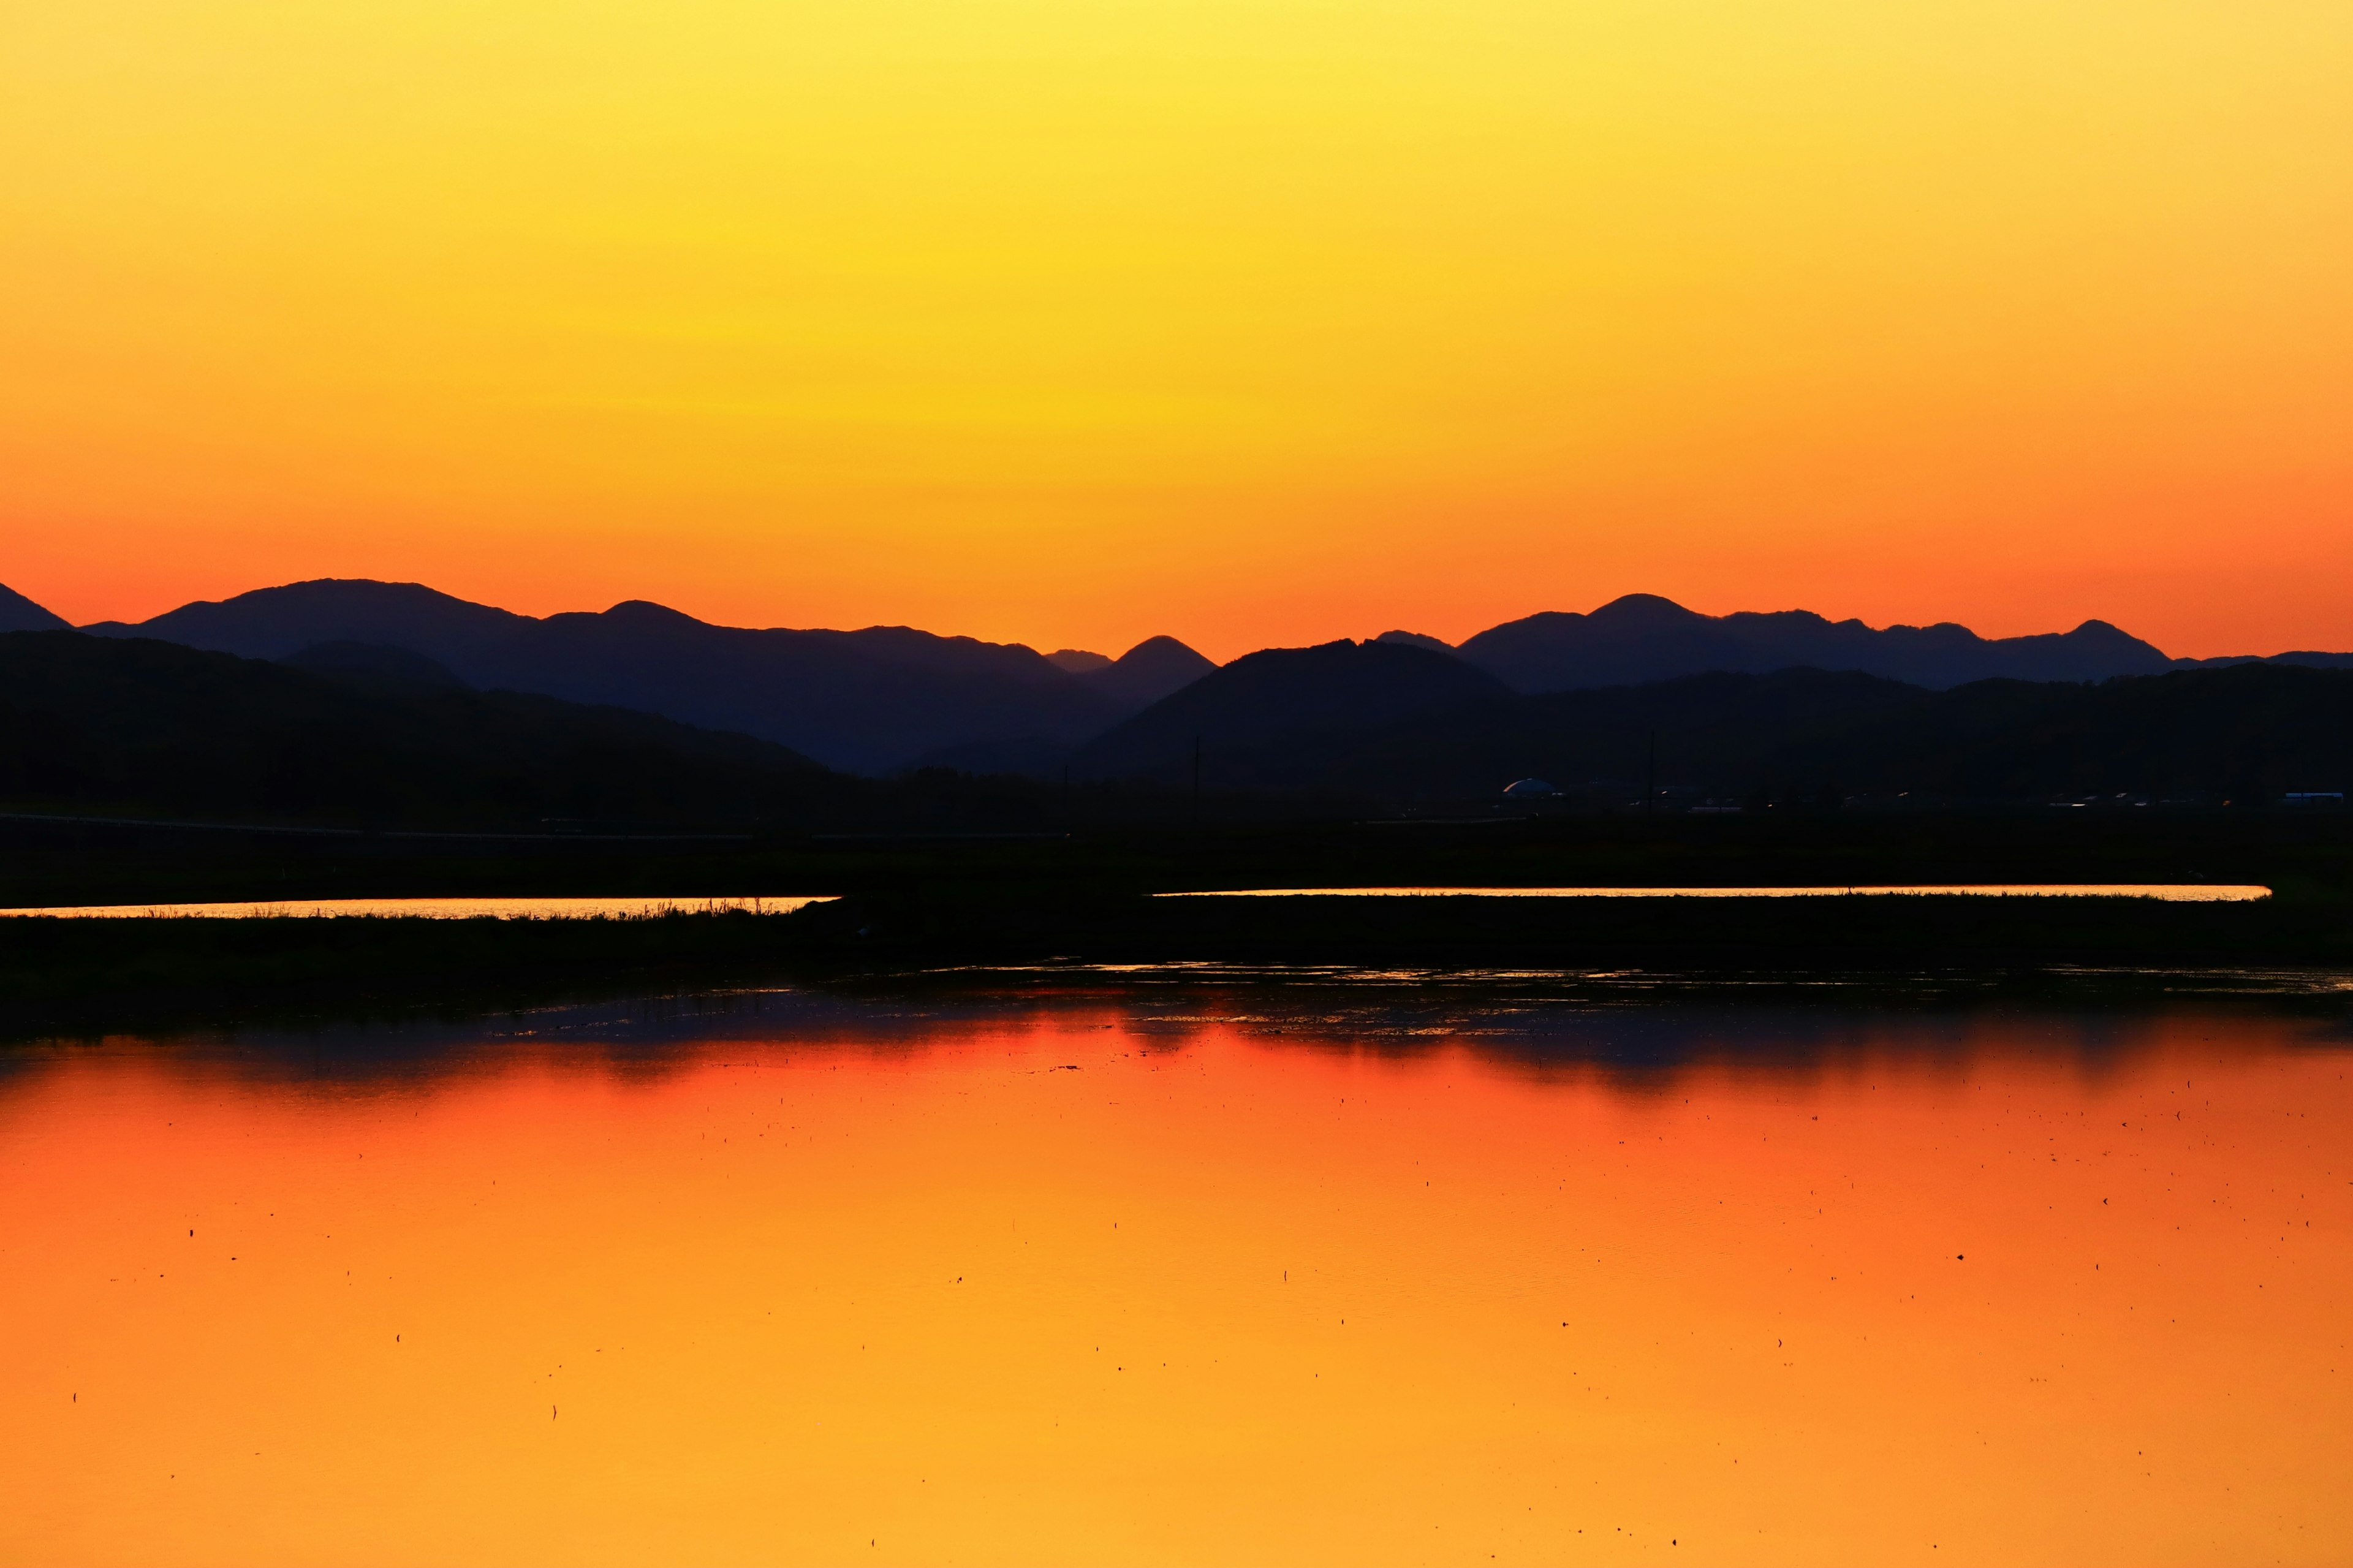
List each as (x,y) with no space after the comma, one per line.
(1072,322)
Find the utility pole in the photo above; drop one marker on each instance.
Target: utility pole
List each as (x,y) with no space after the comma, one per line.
(1651,779)
(1197,783)
(1066,800)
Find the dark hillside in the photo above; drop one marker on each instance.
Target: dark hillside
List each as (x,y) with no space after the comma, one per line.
(375,665)
(1642,637)
(1267,713)
(2247,734)
(134,725)
(1713,732)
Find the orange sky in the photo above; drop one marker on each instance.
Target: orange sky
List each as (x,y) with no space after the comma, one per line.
(1254,323)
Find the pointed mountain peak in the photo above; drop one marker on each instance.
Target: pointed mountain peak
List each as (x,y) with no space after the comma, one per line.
(1148,672)
(1165,649)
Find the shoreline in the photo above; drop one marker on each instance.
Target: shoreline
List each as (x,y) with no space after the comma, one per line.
(99,973)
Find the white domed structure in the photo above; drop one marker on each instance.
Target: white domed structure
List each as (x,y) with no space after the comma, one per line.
(1528,789)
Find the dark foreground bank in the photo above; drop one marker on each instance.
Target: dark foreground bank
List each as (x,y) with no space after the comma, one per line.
(90,973)
(909,902)
(47,861)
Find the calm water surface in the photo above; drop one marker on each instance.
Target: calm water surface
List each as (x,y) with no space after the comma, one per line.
(1188,1274)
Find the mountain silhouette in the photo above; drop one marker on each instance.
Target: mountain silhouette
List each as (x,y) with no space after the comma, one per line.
(1416,639)
(1078,661)
(886,701)
(2300,655)
(1147,672)
(18,614)
(869,700)
(1152,669)
(273,622)
(1278,702)
(137,725)
(1642,637)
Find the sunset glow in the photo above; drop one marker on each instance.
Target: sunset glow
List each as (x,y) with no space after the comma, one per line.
(1253,323)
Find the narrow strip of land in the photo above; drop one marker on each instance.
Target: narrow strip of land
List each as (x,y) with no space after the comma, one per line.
(626,908)
(2167,892)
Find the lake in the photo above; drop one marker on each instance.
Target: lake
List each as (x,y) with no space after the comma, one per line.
(1187,1266)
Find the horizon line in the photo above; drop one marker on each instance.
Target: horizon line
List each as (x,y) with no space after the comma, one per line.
(1040,648)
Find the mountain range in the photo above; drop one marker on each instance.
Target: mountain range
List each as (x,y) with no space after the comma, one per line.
(1642,637)
(862,701)
(885,700)
(359,736)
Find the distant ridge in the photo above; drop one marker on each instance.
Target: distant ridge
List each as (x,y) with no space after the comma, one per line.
(1416,639)
(1642,637)
(18,614)
(866,701)
(881,701)
(2304,656)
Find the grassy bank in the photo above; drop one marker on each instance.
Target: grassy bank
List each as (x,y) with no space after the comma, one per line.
(87,973)
(911,902)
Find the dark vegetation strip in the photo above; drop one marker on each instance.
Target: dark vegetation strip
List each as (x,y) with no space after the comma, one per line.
(83,863)
(915,904)
(84,974)
(275,829)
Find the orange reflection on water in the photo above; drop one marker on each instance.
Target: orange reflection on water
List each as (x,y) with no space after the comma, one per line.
(1075,1286)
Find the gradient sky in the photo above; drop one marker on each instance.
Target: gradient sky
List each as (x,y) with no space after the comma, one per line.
(1073,320)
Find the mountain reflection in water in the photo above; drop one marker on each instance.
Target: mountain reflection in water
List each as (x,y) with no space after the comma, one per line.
(1186,1266)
